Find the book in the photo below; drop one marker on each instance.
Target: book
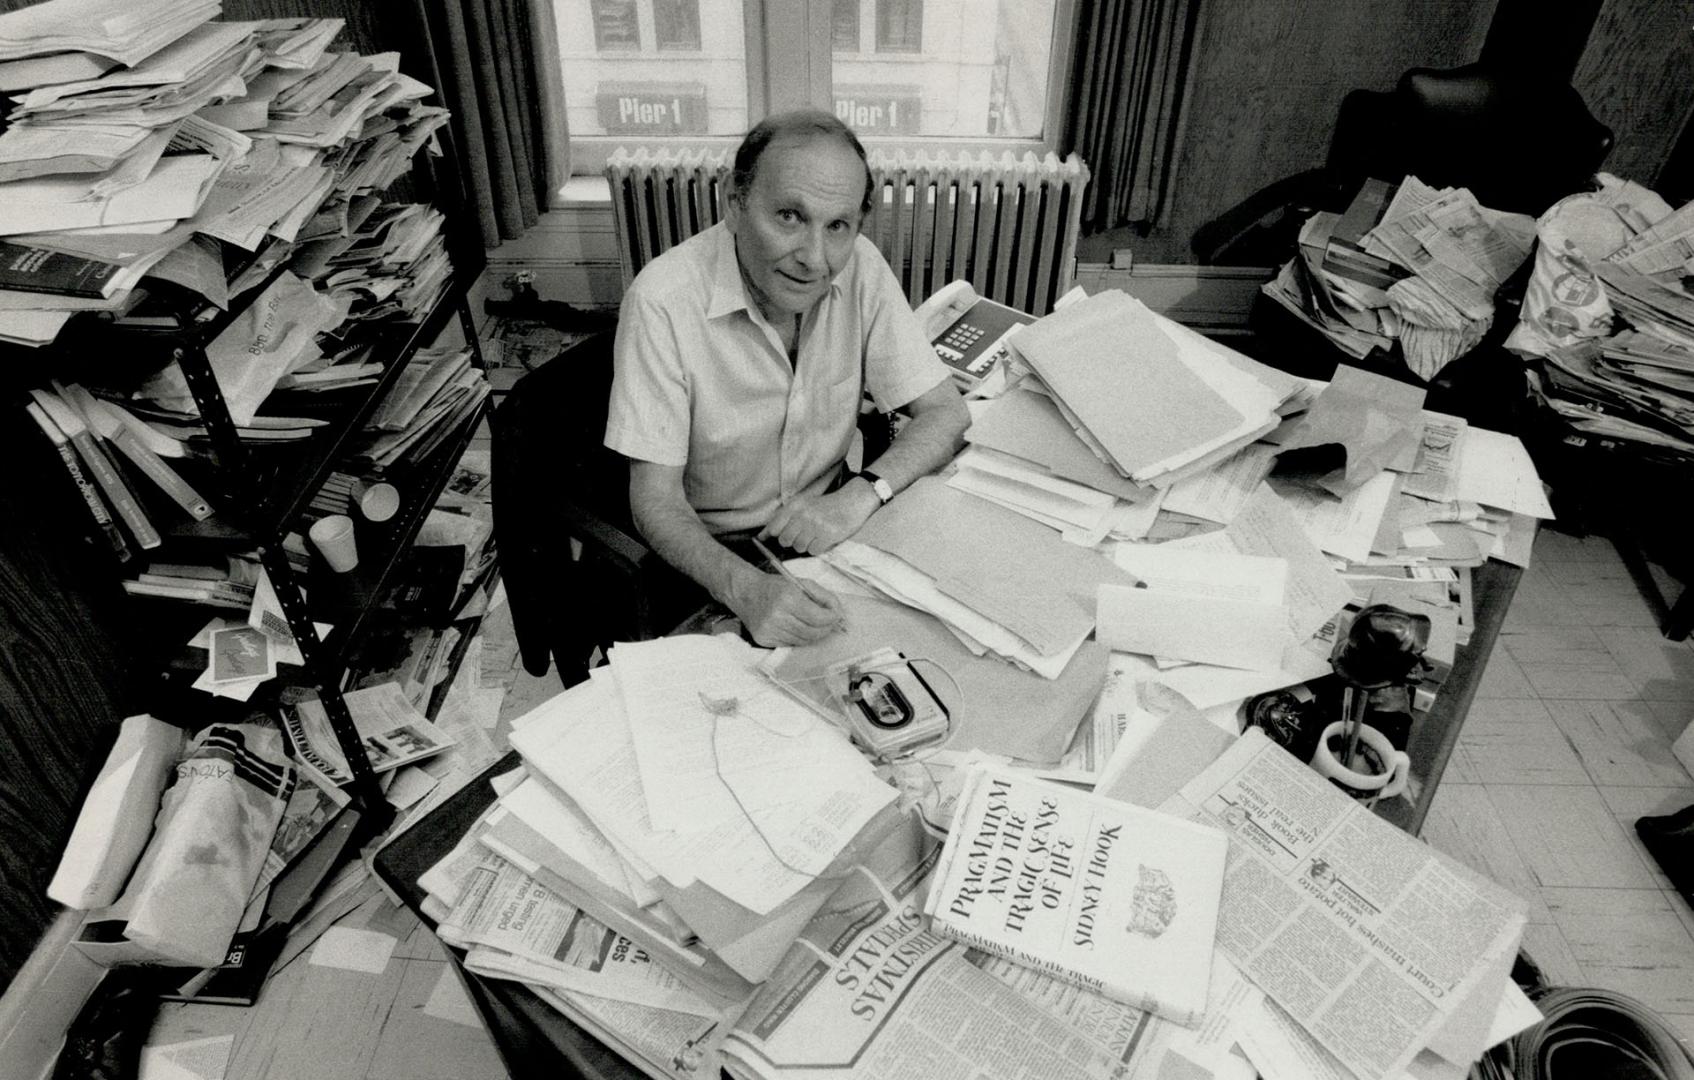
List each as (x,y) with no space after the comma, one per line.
(90,494)
(33,269)
(114,432)
(104,471)
(1118,899)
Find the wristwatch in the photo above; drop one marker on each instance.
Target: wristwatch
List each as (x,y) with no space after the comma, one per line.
(884,490)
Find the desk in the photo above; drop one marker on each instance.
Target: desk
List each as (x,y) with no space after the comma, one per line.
(536,1040)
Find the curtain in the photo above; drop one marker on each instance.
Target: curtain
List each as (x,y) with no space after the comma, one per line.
(496,67)
(1134,75)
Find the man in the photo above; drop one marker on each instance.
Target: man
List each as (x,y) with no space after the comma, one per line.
(740,360)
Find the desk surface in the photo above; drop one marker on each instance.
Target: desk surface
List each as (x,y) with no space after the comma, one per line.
(535,1039)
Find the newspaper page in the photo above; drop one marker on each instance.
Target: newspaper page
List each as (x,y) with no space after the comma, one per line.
(394,732)
(665,1045)
(514,927)
(1367,938)
(870,992)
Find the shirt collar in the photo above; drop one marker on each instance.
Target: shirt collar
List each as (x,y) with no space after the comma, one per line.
(729,291)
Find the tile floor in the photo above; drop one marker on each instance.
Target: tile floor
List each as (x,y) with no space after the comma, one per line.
(1568,742)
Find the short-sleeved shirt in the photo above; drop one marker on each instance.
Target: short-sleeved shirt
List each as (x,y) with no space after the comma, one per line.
(701,380)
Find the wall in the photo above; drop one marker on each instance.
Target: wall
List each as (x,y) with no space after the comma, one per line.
(1635,75)
(1270,81)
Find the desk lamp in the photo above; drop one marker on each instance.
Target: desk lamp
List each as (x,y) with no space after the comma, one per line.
(1384,647)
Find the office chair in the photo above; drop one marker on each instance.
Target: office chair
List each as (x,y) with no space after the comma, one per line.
(554,483)
(1517,143)
(556,486)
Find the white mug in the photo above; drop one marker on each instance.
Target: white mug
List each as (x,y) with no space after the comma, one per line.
(1380,770)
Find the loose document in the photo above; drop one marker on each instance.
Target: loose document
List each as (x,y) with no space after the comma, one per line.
(1376,945)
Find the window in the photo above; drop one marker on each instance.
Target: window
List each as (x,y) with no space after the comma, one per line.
(676,24)
(959,74)
(844,26)
(899,25)
(614,25)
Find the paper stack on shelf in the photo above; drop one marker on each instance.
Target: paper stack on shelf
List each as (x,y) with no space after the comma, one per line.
(116,30)
(428,402)
(1415,264)
(222,146)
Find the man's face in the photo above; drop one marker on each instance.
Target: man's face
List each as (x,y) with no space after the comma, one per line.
(794,227)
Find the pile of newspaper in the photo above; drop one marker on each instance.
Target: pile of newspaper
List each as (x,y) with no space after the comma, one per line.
(1421,267)
(1610,312)
(186,151)
(431,397)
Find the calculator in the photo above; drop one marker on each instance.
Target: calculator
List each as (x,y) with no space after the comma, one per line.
(972,345)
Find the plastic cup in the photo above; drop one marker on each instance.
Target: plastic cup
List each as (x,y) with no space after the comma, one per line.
(333,537)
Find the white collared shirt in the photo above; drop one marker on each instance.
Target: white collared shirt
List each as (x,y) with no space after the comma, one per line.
(701,379)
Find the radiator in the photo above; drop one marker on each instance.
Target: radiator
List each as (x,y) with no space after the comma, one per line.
(1006,224)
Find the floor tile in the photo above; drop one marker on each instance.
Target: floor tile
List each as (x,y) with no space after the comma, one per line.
(1463,823)
(1553,546)
(1502,678)
(1574,680)
(1629,940)
(1675,717)
(1553,644)
(1662,670)
(1567,836)
(1530,611)
(1545,943)
(1682,1024)
(433,1032)
(1512,741)
(1630,803)
(1619,742)
(1588,572)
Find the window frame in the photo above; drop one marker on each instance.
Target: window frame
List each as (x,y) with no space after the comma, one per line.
(790,66)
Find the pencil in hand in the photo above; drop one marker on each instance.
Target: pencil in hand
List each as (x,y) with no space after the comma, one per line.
(815,593)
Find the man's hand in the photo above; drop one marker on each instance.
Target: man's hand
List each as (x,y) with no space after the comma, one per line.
(776,611)
(812,524)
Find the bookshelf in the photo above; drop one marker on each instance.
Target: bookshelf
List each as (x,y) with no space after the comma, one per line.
(77,654)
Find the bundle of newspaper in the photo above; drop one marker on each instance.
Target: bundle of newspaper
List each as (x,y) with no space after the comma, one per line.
(1610,314)
(431,398)
(223,142)
(1422,268)
(855,984)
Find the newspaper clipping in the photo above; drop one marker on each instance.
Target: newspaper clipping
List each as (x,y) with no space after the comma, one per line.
(1367,938)
(393,731)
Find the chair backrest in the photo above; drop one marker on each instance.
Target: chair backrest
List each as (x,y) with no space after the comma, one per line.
(554,481)
(1517,143)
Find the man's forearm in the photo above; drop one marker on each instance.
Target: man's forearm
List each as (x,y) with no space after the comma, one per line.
(678,536)
(927,441)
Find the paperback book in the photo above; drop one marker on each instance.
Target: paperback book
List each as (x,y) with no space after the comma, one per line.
(1115,898)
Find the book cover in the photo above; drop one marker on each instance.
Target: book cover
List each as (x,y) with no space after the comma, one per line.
(32,269)
(1115,898)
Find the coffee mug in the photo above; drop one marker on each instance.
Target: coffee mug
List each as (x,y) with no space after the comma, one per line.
(1379,772)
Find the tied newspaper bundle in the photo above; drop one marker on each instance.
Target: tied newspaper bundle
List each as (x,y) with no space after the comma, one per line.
(1413,264)
(1609,315)
(701,872)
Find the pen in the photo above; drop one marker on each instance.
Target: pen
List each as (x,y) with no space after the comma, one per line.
(789,576)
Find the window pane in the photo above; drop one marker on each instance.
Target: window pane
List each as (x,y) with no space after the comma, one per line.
(844,25)
(899,25)
(615,25)
(680,68)
(676,24)
(979,70)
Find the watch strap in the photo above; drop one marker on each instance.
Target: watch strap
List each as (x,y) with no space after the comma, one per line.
(884,490)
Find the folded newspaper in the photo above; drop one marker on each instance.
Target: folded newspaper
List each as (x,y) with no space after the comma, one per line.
(394,732)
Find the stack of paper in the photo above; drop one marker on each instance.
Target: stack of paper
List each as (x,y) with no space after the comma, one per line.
(1002,583)
(684,800)
(1413,264)
(429,400)
(211,143)
(123,32)
(1155,403)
